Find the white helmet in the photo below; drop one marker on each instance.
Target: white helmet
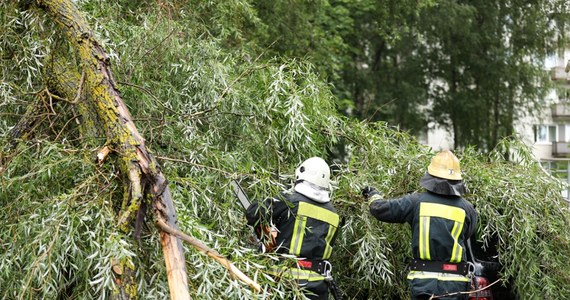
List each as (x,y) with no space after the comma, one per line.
(314,170)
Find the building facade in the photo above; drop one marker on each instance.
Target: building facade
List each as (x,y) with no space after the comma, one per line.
(548,132)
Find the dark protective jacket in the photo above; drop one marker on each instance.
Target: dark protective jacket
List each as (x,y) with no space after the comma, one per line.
(440,224)
(306,229)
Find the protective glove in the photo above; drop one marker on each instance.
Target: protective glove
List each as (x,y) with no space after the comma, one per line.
(371,193)
(368,191)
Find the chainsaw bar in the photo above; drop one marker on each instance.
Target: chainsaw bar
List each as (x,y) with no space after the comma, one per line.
(240,194)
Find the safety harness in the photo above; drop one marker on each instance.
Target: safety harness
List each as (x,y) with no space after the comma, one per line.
(316,265)
(308,214)
(440,267)
(324,268)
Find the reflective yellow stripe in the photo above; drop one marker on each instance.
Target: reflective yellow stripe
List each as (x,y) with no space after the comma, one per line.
(435,275)
(456,214)
(295,273)
(319,213)
(298,234)
(328,248)
(442,211)
(457,249)
(307,210)
(424,238)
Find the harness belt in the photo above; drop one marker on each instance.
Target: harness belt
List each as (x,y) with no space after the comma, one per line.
(439,267)
(322,267)
(315,265)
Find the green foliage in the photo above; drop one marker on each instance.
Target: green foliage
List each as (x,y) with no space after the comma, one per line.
(359,47)
(22,49)
(524,219)
(212,107)
(489,73)
(24,39)
(472,68)
(58,234)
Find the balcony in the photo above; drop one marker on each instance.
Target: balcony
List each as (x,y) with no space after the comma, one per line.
(561,149)
(559,73)
(560,111)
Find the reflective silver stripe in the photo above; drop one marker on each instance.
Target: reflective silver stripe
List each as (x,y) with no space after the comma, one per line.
(455,214)
(328,238)
(295,273)
(424,238)
(457,251)
(298,235)
(307,210)
(435,275)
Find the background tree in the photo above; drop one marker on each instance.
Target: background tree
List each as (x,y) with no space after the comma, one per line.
(354,46)
(487,67)
(212,106)
(473,68)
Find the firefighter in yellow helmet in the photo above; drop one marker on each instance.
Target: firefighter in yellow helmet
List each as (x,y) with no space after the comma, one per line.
(441,222)
(307,225)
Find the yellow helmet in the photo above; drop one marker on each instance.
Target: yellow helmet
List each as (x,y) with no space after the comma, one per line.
(445,165)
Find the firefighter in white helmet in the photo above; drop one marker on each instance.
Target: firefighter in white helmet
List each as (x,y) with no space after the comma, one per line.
(307,225)
(441,222)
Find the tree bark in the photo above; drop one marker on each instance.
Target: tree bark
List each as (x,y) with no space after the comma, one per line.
(64,78)
(140,167)
(234,272)
(95,90)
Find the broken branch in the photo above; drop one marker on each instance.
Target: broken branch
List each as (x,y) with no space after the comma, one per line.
(235,272)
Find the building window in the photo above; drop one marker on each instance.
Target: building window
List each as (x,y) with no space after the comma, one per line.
(545,133)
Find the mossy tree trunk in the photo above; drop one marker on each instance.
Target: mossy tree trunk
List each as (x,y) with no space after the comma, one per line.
(67,79)
(95,84)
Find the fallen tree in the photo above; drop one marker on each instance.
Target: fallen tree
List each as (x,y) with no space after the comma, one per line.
(212,110)
(104,108)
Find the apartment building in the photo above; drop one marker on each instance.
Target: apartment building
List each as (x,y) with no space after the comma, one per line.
(548,132)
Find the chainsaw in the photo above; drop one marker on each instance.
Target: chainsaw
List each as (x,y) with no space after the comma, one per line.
(260,230)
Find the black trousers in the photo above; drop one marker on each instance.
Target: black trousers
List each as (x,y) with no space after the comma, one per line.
(426,297)
(315,290)
(422,289)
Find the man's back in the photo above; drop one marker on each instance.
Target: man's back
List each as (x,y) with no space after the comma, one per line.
(306,224)
(307,229)
(440,227)
(441,222)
